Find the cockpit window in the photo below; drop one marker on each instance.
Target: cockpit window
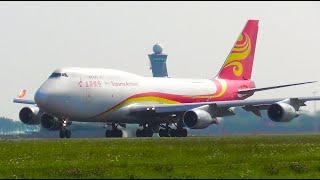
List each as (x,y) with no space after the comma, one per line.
(56,75)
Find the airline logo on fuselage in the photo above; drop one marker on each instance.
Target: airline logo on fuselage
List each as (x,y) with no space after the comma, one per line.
(98,82)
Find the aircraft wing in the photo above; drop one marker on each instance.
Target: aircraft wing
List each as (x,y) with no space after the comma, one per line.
(249,105)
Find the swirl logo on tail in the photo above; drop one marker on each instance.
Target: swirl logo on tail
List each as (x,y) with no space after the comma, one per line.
(240,51)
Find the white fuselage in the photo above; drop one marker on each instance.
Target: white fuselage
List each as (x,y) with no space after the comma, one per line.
(95,95)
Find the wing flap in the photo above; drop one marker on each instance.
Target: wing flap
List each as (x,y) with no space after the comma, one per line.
(255,109)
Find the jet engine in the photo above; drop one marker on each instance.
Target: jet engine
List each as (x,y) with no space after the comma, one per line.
(198,119)
(49,122)
(282,112)
(29,115)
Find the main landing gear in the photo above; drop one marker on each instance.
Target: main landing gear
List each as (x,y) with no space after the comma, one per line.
(145,132)
(65,131)
(179,132)
(165,131)
(114,132)
(169,132)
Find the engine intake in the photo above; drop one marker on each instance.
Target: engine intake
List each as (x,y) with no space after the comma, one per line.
(198,119)
(282,112)
(49,122)
(29,115)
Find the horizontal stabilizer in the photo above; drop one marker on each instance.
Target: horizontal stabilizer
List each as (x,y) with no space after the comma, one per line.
(23,101)
(253,90)
(21,98)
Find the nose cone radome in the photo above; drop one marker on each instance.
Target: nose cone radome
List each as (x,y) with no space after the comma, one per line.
(53,97)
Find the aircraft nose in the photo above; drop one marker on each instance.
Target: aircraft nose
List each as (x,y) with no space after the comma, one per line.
(41,97)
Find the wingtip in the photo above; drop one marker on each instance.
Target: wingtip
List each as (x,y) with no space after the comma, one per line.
(311,82)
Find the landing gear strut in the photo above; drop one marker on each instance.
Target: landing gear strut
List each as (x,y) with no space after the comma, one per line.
(114,132)
(65,132)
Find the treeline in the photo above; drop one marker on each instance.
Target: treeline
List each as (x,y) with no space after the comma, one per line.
(247,123)
(11,127)
(243,123)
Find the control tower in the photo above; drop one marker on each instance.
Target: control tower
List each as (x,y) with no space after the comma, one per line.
(158,62)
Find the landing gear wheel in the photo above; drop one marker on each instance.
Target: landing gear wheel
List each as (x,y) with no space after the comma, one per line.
(164,133)
(114,133)
(144,133)
(65,133)
(178,132)
(117,133)
(172,132)
(139,133)
(181,133)
(184,133)
(68,133)
(148,132)
(62,133)
(108,133)
(64,124)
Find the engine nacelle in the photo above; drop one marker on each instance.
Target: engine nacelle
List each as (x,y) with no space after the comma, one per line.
(198,119)
(29,115)
(282,112)
(49,122)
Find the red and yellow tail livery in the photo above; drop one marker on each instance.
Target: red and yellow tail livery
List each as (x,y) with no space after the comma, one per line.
(238,65)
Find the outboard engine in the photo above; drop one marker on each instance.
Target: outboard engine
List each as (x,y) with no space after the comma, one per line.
(282,112)
(29,115)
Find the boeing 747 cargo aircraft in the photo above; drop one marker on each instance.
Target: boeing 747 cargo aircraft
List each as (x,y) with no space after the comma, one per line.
(167,106)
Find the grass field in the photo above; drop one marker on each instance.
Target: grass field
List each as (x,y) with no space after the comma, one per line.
(213,157)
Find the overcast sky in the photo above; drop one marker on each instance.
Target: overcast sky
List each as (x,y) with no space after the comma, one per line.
(38,37)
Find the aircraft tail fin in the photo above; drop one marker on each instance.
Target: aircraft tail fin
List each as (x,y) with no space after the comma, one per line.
(238,65)
(22,94)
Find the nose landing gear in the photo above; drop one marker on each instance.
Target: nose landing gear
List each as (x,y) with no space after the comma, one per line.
(65,132)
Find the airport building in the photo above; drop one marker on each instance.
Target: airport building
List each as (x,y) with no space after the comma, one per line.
(158,62)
